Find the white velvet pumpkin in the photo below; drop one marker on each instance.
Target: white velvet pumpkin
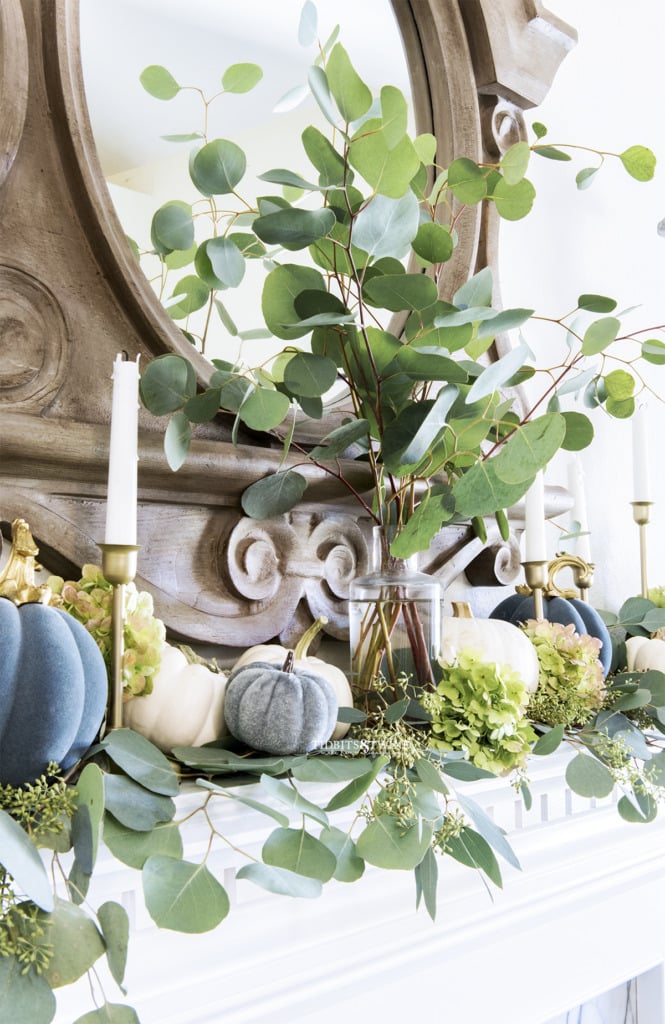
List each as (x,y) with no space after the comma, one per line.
(274,654)
(644,653)
(497,641)
(185,708)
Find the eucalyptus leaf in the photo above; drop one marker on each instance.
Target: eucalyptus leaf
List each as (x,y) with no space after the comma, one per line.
(172,228)
(401,291)
(281,289)
(427,874)
(467,181)
(166,384)
(386,227)
(294,228)
(332,769)
(430,775)
(110,1013)
(280,880)
(290,797)
(182,896)
(218,167)
(246,801)
(471,849)
(387,843)
(25,996)
(409,438)
(513,202)
(298,851)
(240,78)
(549,741)
(599,335)
(349,866)
(142,761)
(309,375)
(134,848)
(325,158)
(352,97)
(639,161)
(219,263)
(488,829)
(114,924)
(358,786)
(498,373)
(273,495)
(90,794)
(263,409)
(134,806)
(19,857)
(159,82)
(318,83)
(588,777)
(75,940)
(177,440)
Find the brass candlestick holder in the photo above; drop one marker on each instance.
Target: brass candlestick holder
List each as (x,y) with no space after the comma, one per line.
(535,574)
(582,575)
(119,563)
(642,515)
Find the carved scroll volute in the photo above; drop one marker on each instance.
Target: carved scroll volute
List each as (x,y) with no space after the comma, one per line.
(13,82)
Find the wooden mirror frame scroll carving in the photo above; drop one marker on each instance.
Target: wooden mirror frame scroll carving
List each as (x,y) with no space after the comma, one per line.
(72,297)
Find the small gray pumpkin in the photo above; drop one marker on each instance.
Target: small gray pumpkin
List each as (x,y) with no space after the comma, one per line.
(280,710)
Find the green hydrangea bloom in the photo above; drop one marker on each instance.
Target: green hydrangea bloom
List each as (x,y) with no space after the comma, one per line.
(657,596)
(571,687)
(479,707)
(90,600)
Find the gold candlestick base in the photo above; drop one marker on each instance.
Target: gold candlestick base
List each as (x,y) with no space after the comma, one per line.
(535,574)
(642,515)
(119,564)
(582,574)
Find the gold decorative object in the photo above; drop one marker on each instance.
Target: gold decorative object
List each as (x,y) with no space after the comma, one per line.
(535,573)
(582,574)
(119,562)
(641,515)
(17,580)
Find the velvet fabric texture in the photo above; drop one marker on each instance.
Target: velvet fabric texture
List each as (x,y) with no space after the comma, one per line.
(53,690)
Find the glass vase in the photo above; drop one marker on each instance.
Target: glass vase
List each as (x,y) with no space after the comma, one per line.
(394,626)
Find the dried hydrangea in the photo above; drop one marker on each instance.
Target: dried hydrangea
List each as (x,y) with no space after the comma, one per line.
(90,600)
(479,707)
(571,687)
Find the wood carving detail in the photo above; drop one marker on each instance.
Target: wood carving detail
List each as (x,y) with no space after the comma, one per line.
(34,340)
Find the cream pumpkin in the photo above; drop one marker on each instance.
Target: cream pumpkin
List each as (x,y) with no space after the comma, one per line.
(644,653)
(185,708)
(274,654)
(497,641)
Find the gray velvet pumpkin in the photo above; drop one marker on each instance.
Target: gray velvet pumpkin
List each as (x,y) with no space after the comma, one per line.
(279,711)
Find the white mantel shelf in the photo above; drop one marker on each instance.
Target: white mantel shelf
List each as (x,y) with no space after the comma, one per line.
(584,915)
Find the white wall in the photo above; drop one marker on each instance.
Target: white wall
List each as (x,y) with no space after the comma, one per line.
(602,240)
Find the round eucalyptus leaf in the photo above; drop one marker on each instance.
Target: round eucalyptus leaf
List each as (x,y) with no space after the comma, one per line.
(620,384)
(515,161)
(308,24)
(90,794)
(25,998)
(280,881)
(172,228)
(76,941)
(513,202)
(182,896)
(240,78)
(433,243)
(579,431)
(587,777)
(264,409)
(203,407)
(388,171)
(386,843)
(401,291)
(189,294)
(166,384)
(325,158)
(349,867)
(294,228)
(219,263)
(134,848)
(318,83)
(273,495)
(217,167)
(386,227)
(296,850)
(281,290)
(596,303)
(653,351)
(467,181)
(639,162)
(110,1013)
(142,761)
(134,806)
(599,335)
(159,82)
(308,375)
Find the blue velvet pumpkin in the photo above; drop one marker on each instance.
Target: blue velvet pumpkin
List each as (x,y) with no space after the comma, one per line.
(53,690)
(519,607)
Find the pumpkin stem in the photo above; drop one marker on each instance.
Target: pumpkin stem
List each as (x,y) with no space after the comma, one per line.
(301,648)
(462,610)
(288,661)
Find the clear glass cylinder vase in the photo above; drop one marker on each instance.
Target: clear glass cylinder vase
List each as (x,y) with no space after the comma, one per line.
(394,625)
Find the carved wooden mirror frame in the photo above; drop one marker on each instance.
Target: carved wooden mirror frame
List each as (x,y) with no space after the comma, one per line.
(72,296)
